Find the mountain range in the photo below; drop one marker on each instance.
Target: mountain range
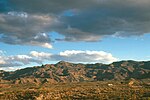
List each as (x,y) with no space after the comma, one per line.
(70,72)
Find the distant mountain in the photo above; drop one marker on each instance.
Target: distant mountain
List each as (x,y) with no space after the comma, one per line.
(70,72)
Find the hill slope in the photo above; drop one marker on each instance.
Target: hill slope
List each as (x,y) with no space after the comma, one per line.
(69,72)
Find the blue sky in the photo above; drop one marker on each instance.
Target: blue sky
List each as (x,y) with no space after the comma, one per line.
(136,48)
(75,31)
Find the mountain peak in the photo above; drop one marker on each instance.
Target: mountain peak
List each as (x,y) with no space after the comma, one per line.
(62,62)
(69,72)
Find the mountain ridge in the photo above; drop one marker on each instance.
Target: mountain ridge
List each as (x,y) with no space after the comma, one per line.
(71,72)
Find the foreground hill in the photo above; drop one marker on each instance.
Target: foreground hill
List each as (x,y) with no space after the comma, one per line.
(68,72)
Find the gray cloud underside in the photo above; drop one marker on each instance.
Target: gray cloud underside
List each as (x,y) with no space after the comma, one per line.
(25,29)
(71,56)
(91,20)
(17,60)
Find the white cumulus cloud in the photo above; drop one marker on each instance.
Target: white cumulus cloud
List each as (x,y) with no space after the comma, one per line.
(77,56)
(40,54)
(85,56)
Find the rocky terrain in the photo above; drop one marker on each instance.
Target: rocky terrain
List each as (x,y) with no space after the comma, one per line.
(65,72)
(124,80)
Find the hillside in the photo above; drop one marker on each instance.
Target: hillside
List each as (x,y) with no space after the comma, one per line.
(69,72)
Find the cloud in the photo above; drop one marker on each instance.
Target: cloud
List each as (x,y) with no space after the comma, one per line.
(2,61)
(85,56)
(24,22)
(68,55)
(25,59)
(2,52)
(76,56)
(26,29)
(40,55)
(48,6)
(126,18)
(17,60)
(9,68)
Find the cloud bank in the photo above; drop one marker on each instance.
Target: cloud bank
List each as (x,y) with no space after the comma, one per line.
(26,22)
(68,55)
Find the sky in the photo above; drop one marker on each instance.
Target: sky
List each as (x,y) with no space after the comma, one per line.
(36,32)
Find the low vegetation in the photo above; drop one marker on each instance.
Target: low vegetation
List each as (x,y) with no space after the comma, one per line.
(108,90)
(124,80)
